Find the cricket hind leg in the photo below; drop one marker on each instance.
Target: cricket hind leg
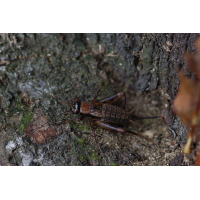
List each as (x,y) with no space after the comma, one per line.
(109,126)
(118,129)
(111,99)
(114,98)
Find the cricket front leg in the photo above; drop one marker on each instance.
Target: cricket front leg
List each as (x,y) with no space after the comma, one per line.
(91,124)
(79,119)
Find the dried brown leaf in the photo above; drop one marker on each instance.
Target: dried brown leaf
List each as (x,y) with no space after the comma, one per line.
(197,44)
(198,159)
(193,63)
(187,102)
(40,131)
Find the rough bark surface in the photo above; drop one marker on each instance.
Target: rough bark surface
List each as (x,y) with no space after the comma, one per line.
(38,71)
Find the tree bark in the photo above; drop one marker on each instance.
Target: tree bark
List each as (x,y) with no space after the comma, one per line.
(35,66)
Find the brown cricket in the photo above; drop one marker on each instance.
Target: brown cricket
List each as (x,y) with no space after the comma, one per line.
(103,113)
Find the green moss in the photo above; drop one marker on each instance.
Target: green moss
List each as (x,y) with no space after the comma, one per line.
(85,128)
(83,157)
(25,120)
(19,104)
(130,81)
(81,142)
(113,164)
(94,156)
(82,150)
(82,127)
(147,55)
(27,116)
(107,85)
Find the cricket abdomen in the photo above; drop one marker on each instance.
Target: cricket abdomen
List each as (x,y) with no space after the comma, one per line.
(114,114)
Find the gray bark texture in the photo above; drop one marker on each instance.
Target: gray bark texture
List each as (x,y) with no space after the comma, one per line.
(39,71)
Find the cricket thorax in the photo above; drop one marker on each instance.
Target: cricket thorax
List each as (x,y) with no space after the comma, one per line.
(85,108)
